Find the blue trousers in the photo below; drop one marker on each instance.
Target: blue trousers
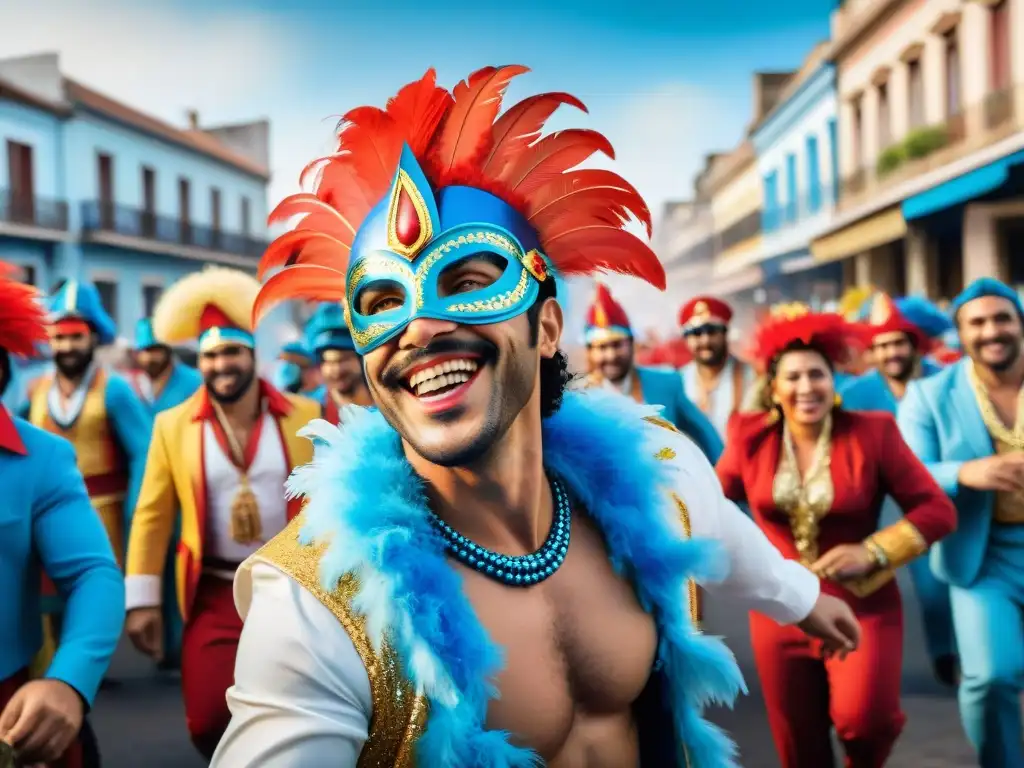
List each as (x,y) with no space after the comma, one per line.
(171,611)
(989,621)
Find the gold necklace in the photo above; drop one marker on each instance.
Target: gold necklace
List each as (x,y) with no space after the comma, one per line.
(246,525)
(1014,438)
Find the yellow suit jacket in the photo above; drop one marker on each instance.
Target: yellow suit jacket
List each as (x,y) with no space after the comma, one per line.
(175,478)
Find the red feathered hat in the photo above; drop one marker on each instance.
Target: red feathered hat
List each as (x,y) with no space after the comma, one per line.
(459,138)
(22,318)
(884,317)
(606,319)
(704,310)
(827,332)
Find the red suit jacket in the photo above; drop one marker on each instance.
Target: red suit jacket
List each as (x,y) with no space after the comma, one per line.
(870,461)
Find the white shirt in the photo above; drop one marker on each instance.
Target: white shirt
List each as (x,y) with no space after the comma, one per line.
(302,696)
(722,399)
(267,475)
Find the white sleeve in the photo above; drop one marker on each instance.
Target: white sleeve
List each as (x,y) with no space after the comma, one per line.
(760,578)
(301,695)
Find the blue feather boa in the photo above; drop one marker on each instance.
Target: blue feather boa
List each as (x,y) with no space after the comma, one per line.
(365,501)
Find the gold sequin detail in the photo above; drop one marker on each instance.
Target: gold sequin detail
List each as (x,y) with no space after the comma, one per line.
(501,301)
(805,499)
(665,454)
(660,422)
(691,585)
(1009,505)
(399,714)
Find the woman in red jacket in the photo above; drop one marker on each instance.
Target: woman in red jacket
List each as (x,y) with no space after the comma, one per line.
(815,477)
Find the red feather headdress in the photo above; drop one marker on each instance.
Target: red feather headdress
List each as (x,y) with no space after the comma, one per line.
(459,139)
(22,318)
(828,332)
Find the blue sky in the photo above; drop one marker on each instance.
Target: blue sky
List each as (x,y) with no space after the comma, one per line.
(666,82)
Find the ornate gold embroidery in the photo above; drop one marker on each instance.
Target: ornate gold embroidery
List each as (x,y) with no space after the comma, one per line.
(660,422)
(691,586)
(403,183)
(1009,506)
(805,499)
(502,301)
(901,542)
(399,714)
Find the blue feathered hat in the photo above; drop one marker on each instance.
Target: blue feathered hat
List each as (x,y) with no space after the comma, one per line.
(326,329)
(81,301)
(923,313)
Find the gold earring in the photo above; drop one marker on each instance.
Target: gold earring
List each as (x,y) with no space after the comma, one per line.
(837,401)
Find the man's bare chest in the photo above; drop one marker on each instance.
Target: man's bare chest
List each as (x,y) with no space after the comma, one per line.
(577,646)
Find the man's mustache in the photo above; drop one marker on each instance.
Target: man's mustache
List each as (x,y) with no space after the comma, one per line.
(394,373)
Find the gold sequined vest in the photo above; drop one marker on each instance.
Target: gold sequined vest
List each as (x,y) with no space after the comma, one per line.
(399,715)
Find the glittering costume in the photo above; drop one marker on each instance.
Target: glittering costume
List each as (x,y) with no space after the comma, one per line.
(705,314)
(180,384)
(193,471)
(859,460)
(916,319)
(363,585)
(607,321)
(48,523)
(103,418)
(948,419)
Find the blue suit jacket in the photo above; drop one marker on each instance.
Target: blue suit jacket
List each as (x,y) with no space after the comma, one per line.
(46,520)
(665,388)
(940,420)
(870,392)
(181,385)
(133,426)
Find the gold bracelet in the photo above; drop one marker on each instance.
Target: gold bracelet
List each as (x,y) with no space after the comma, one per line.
(877,553)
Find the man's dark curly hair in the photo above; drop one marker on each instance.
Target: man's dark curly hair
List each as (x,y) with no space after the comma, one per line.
(554,371)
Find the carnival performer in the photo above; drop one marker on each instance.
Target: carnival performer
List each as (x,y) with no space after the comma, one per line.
(163,382)
(296,370)
(418,514)
(715,379)
(609,340)
(901,335)
(965,423)
(93,408)
(47,523)
(815,477)
(221,457)
(340,366)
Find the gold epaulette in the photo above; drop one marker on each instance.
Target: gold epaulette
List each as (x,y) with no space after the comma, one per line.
(399,715)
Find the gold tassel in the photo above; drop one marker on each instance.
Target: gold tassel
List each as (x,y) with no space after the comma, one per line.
(246,526)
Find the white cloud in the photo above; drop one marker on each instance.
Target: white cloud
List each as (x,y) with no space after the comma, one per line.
(157,58)
(660,138)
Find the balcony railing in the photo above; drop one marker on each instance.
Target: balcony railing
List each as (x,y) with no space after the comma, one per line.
(806,205)
(138,223)
(27,211)
(997,116)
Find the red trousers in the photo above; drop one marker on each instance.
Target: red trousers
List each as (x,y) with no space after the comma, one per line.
(73,757)
(209,644)
(807,696)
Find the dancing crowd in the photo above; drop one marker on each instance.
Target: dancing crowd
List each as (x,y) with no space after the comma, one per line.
(428,542)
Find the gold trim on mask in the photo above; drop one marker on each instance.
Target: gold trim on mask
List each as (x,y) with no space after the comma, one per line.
(403,182)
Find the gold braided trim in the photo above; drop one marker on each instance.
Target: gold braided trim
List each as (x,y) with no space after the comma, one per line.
(901,542)
(660,422)
(691,585)
(1014,438)
(399,715)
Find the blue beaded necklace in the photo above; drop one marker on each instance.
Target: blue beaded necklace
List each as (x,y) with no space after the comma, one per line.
(515,570)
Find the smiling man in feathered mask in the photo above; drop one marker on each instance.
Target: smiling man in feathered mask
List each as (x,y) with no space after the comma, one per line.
(487,561)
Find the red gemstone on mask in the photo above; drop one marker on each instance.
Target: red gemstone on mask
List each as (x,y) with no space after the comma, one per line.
(407,220)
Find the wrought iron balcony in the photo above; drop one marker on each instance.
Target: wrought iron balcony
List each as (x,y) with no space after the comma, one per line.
(28,211)
(100,217)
